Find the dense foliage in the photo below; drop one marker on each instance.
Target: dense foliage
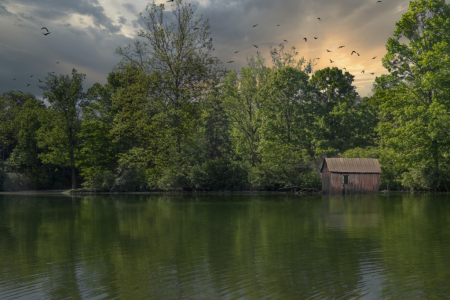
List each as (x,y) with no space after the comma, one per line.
(171,117)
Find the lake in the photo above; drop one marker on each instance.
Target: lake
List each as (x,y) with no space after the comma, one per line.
(224,246)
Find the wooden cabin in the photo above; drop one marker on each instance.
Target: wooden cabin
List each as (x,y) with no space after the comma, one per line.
(349,176)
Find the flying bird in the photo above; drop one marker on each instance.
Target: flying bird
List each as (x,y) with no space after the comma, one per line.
(318,18)
(28,84)
(353,52)
(46,33)
(278,25)
(214,49)
(328,50)
(31,75)
(317,57)
(357,53)
(255,25)
(362,71)
(374,57)
(14,79)
(341,47)
(331,61)
(304,39)
(39,80)
(372,73)
(230,61)
(236,52)
(170,1)
(255,46)
(378,1)
(285,41)
(44,28)
(315,38)
(344,69)
(57,62)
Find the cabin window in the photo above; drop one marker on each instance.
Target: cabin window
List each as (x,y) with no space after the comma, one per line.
(345,179)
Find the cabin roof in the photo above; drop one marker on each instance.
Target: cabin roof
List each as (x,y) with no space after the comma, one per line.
(352,165)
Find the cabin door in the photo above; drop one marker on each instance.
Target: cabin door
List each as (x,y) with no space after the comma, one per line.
(344,184)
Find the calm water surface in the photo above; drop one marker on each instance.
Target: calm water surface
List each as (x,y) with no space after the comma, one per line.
(224,247)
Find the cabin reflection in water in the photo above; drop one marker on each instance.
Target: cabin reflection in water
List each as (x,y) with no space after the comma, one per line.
(349,176)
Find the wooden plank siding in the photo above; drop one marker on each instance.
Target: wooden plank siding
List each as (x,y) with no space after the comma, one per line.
(359,182)
(325,180)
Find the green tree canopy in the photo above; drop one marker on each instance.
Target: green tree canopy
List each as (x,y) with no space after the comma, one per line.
(59,135)
(415,95)
(175,51)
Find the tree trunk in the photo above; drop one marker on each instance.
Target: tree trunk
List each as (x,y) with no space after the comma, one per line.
(435,150)
(74,182)
(72,159)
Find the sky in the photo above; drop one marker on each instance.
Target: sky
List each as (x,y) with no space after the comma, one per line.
(84,35)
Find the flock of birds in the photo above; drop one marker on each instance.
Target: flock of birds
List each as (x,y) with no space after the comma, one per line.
(306,39)
(47,32)
(44,33)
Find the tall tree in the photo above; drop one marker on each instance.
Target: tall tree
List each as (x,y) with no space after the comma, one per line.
(284,130)
(339,123)
(243,106)
(98,148)
(284,97)
(60,134)
(175,52)
(416,94)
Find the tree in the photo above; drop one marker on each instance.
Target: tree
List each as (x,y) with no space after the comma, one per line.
(18,125)
(284,131)
(338,122)
(284,96)
(98,149)
(11,104)
(185,72)
(280,59)
(213,164)
(243,106)
(59,134)
(24,157)
(141,128)
(415,95)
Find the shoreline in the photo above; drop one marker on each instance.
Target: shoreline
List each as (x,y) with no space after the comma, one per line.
(70,192)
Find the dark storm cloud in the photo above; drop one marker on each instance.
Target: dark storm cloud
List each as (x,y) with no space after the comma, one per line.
(62,9)
(89,51)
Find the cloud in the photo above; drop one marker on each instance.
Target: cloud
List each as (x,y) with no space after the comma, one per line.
(130,8)
(52,10)
(138,23)
(85,33)
(4,11)
(122,20)
(27,17)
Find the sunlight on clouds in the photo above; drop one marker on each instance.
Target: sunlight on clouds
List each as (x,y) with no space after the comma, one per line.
(402,7)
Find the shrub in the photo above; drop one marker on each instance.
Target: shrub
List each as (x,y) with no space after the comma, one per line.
(219,174)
